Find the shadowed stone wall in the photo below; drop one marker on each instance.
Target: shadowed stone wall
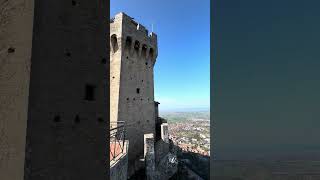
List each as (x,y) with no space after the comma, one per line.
(67,119)
(16,20)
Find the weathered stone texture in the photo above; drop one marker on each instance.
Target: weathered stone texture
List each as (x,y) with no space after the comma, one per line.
(132,56)
(16,20)
(149,156)
(165,160)
(67,119)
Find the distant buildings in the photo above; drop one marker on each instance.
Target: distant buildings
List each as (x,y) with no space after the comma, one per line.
(191,137)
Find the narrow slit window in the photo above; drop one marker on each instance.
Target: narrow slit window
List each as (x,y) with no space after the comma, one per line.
(128,43)
(138,90)
(90,92)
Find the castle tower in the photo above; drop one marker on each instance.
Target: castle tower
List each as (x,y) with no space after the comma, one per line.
(67,117)
(133,54)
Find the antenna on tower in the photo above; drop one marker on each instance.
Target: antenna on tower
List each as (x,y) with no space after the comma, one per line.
(152,27)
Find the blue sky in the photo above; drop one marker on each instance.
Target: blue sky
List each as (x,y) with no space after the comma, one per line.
(182,71)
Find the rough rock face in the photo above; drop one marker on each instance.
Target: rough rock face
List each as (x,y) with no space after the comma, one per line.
(166,160)
(168,166)
(161,149)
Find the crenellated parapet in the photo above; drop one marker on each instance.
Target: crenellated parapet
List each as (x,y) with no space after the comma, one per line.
(132,37)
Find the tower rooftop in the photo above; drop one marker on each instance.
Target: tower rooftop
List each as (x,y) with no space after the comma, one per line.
(125,17)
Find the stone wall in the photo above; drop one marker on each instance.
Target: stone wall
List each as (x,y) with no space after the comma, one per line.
(149,156)
(16,20)
(67,119)
(131,76)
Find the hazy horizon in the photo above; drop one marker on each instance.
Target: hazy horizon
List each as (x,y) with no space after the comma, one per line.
(266,78)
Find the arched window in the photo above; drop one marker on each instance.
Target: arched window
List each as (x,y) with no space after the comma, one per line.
(128,43)
(136,45)
(114,43)
(151,53)
(144,51)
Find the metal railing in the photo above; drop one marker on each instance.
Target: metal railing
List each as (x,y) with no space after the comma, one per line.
(117,139)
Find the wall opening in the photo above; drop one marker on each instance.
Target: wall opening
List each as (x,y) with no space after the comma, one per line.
(57,118)
(103,60)
(67,53)
(151,53)
(138,90)
(74,3)
(114,43)
(77,119)
(136,46)
(128,43)
(89,92)
(144,51)
(100,119)
(11,50)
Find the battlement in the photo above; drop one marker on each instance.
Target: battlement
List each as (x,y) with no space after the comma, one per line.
(133,25)
(133,35)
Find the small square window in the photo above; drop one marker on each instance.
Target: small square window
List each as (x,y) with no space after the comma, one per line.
(89,94)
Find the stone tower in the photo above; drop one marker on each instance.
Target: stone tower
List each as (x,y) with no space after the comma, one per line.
(53,95)
(133,55)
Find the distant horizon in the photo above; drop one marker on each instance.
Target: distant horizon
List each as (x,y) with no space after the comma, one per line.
(190,109)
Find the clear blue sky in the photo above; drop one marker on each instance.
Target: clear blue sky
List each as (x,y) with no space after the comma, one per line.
(182,71)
